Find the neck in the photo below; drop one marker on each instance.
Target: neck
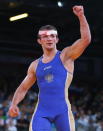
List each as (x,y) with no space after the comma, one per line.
(48,53)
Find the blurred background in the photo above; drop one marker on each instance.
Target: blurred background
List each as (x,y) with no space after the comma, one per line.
(18,48)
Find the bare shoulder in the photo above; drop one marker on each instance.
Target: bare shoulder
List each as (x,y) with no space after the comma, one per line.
(66,60)
(33,66)
(64,55)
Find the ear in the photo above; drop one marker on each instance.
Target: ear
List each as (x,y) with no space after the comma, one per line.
(38,40)
(57,40)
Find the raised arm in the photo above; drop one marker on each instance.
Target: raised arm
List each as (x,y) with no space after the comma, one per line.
(22,90)
(77,48)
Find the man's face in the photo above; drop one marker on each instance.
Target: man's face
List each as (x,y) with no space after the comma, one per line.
(48,39)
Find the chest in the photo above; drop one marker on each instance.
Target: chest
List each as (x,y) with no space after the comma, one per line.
(50,72)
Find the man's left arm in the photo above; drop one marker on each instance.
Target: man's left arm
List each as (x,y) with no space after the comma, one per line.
(77,48)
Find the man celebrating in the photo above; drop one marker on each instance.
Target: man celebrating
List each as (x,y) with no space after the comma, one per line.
(53,72)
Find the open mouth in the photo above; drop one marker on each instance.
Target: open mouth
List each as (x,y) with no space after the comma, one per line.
(49,43)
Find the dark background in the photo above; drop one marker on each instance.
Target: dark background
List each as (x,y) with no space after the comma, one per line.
(18,45)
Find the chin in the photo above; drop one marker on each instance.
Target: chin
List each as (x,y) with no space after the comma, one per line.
(50,48)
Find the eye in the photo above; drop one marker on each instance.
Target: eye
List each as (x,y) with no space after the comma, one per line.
(52,35)
(44,37)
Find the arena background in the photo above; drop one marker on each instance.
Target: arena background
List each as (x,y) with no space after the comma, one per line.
(18,48)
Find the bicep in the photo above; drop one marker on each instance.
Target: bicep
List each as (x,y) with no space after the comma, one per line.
(76,49)
(28,81)
(30,78)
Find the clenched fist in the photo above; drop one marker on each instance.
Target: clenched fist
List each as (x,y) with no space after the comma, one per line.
(78,10)
(13,111)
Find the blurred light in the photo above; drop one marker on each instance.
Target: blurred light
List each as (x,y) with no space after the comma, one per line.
(60,4)
(17,17)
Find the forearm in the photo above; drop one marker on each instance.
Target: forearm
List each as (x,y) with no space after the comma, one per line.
(19,95)
(84,29)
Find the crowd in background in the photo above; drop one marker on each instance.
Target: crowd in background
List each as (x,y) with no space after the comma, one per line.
(87,107)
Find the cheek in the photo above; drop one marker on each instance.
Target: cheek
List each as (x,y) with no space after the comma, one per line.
(42,42)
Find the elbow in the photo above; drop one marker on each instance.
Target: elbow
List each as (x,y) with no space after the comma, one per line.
(87,40)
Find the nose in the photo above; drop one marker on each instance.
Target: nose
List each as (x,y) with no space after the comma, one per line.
(49,38)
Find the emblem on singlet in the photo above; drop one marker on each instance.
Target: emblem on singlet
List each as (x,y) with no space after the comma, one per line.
(48,74)
(49,77)
(48,67)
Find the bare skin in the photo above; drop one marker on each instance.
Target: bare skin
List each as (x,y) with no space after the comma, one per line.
(68,56)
